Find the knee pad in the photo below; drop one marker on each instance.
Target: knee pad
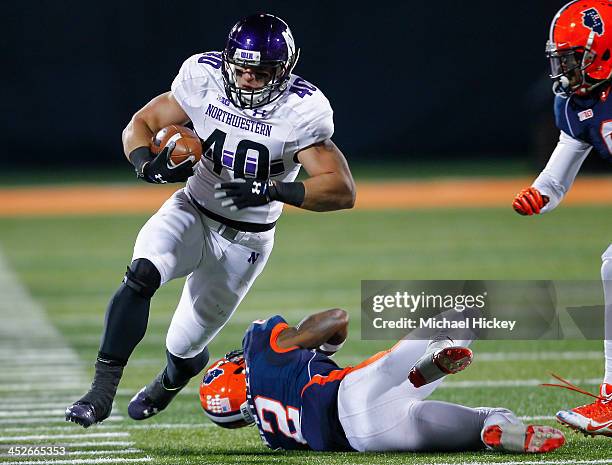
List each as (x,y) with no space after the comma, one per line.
(142,277)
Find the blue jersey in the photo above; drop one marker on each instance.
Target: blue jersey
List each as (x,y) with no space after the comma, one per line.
(292,392)
(588,119)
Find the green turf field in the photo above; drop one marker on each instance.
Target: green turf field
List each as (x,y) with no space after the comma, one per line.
(72,265)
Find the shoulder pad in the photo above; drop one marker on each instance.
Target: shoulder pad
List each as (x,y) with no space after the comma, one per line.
(312,112)
(194,74)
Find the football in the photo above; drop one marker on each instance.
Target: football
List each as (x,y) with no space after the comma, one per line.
(187,144)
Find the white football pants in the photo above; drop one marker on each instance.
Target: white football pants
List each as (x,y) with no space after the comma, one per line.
(380,409)
(181,241)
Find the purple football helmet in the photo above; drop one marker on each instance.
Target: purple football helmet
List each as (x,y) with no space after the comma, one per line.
(259,41)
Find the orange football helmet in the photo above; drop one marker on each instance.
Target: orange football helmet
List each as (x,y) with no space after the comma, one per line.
(223,392)
(579,46)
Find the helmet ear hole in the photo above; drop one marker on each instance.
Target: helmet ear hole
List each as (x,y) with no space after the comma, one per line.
(606,55)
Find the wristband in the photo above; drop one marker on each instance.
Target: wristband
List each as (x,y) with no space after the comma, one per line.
(327,347)
(140,157)
(287,192)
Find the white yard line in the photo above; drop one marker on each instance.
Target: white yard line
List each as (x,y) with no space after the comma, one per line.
(105,452)
(43,386)
(531,462)
(544,355)
(510,383)
(30,344)
(82,461)
(41,398)
(54,419)
(122,427)
(58,372)
(98,443)
(28,364)
(41,437)
(21,404)
(30,413)
(204,424)
(538,418)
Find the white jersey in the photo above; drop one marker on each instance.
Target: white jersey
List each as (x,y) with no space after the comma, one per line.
(259,143)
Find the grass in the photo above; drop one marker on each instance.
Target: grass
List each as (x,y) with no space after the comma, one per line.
(73,265)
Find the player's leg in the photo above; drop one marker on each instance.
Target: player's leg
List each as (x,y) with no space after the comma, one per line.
(393,367)
(397,419)
(168,246)
(373,397)
(395,422)
(210,296)
(383,379)
(380,409)
(442,426)
(596,418)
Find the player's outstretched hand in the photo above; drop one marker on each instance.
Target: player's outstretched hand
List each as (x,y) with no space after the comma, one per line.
(242,193)
(529,201)
(159,170)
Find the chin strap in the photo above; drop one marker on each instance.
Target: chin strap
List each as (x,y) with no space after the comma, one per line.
(572,387)
(246,413)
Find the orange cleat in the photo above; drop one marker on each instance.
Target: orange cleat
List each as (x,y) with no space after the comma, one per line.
(525,439)
(594,419)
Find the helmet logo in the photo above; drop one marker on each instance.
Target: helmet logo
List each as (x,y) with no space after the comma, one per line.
(212,375)
(289,41)
(248,56)
(592,20)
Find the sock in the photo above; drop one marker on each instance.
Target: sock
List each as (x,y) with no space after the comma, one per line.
(435,345)
(498,416)
(608,355)
(606,276)
(180,370)
(103,389)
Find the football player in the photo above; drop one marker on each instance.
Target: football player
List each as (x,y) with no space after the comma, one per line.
(284,382)
(259,124)
(579,49)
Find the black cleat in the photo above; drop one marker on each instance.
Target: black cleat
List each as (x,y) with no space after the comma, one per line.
(151,399)
(82,413)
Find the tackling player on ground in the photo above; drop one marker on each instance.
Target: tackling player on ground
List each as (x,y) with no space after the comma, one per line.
(580,53)
(259,124)
(284,381)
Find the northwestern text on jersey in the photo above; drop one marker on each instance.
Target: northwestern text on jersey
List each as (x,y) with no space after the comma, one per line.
(238,121)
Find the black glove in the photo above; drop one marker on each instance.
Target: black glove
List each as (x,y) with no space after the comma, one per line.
(159,171)
(243,193)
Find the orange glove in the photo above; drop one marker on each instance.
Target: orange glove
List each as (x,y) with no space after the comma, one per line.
(529,201)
